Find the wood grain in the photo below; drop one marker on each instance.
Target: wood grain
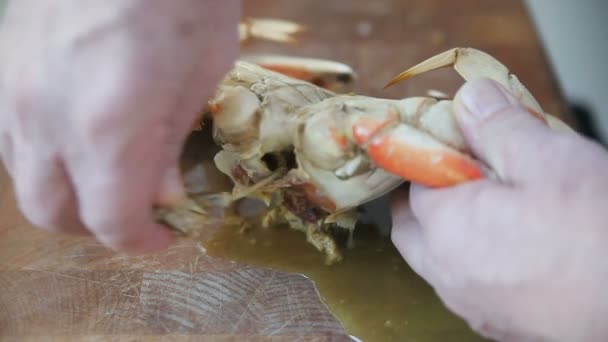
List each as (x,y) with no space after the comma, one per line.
(64,288)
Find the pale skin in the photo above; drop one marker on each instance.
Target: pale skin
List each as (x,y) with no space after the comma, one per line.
(523,258)
(97,99)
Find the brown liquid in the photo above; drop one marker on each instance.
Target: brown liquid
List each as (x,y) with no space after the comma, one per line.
(373,292)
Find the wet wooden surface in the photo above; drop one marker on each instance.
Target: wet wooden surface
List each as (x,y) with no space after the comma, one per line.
(63,287)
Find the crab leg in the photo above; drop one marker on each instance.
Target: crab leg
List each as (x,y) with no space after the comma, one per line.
(331,75)
(472,64)
(328,74)
(277,30)
(413,154)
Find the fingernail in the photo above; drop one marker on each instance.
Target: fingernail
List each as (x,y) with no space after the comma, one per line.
(482,98)
(172,188)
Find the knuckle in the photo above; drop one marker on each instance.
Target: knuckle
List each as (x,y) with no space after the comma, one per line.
(94,127)
(23,98)
(23,117)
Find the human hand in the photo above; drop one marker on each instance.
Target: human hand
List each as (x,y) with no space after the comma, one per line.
(97,100)
(523,258)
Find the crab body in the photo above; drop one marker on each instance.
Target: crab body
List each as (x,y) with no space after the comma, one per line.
(318,155)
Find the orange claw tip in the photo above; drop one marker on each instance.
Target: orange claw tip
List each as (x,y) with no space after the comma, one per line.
(429,166)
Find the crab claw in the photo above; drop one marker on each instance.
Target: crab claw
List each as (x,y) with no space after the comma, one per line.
(412,154)
(277,30)
(331,75)
(375,144)
(472,64)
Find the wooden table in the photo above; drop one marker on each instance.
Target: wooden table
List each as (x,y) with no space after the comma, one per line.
(69,288)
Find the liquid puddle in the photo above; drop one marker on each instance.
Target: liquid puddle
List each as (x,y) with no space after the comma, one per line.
(373,292)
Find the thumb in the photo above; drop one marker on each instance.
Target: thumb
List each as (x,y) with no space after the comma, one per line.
(501,132)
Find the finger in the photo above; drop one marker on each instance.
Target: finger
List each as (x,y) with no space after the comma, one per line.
(452,210)
(190,105)
(117,174)
(131,122)
(7,153)
(120,219)
(504,134)
(407,234)
(463,224)
(116,197)
(45,194)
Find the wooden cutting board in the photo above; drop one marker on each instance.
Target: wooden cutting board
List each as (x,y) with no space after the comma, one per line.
(68,288)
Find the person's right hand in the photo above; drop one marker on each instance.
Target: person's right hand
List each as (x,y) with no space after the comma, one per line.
(524,258)
(97,99)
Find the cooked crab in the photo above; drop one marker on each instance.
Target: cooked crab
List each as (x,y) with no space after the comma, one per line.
(313,156)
